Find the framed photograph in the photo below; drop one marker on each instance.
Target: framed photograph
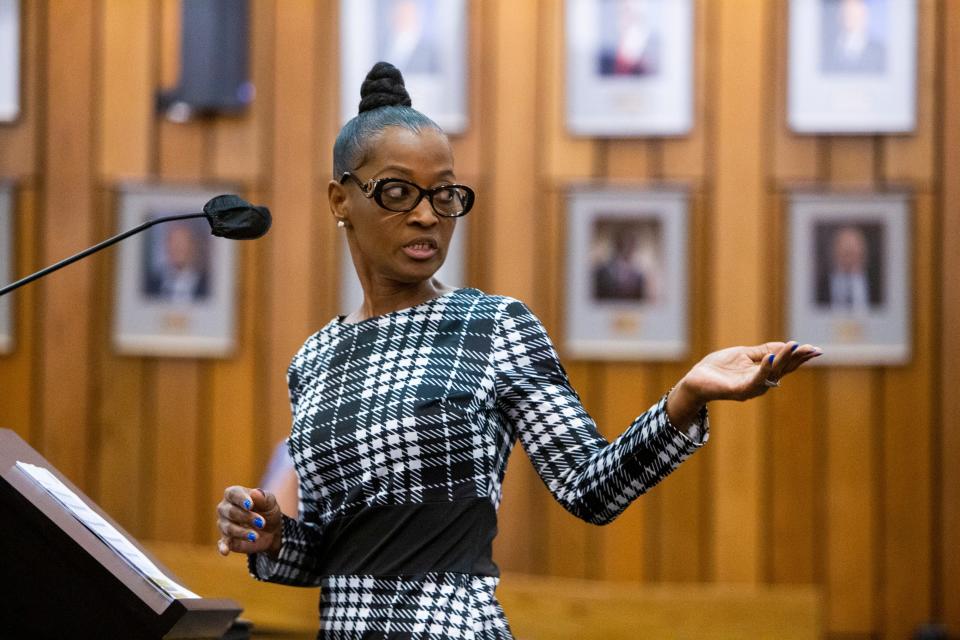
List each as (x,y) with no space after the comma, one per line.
(425,39)
(175,282)
(626,273)
(849,276)
(9,60)
(6,264)
(629,67)
(852,66)
(453,273)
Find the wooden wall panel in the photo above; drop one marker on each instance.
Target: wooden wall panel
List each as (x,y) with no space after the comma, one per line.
(626,545)
(795,156)
(819,482)
(737,279)
(19,369)
(19,142)
(66,227)
(127,86)
(20,152)
(946,434)
(564,156)
(912,158)
(682,157)
(126,80)
(851,501)
(907,428)
(232,444)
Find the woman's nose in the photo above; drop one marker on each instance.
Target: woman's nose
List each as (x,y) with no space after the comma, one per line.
(423,214)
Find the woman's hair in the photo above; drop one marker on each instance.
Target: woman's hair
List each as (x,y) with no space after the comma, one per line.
(384,102)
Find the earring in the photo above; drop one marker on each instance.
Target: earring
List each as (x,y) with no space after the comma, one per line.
(341,224)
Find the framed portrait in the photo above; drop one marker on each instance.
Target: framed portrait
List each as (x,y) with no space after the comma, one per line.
(852,66)
(849,276)
(453,273)
(425,39)
(629,67)
(175,283)
(626,273)
(6,264)
(9,60)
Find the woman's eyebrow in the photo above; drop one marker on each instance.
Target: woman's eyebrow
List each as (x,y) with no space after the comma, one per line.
(442,175)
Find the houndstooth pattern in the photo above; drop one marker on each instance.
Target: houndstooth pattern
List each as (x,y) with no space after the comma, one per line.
(425,405)
(433,606)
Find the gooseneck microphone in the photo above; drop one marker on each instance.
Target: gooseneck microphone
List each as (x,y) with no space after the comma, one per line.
(228,216)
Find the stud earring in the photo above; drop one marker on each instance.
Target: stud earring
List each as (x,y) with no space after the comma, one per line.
(341,224)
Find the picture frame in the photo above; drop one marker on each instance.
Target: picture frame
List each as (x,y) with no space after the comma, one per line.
(9,60)
(626,273)
(425,39)
(629,67)
(849,276)
(6,264)
(175,283)
(852,66)
(453,273)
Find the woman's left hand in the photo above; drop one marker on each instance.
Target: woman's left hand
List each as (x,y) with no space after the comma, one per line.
(741,373)
(737,373)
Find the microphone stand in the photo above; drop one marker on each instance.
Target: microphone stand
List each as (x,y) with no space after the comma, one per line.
(103,245)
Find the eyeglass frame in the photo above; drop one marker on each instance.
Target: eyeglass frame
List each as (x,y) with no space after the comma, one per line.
(373,188)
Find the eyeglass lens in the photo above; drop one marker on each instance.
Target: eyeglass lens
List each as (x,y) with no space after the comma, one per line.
(396,195)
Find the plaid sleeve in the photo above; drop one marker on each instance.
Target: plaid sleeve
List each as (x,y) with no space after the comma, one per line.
(296,565)
(593,479)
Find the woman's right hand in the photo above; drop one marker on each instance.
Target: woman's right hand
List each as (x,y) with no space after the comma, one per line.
(249,521)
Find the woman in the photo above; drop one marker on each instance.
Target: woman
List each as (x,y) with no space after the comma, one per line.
(406,410)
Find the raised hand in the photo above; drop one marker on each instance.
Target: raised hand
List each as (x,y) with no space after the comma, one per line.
(736,373)
(249,521)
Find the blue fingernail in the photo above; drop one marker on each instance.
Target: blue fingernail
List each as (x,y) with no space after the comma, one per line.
(771,358)
(794,347)
(258,523)
(247,504)
(252,537)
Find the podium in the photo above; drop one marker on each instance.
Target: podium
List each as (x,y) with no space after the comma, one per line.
(60,580)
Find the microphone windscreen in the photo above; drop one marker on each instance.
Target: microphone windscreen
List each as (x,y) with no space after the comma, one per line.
(231,217)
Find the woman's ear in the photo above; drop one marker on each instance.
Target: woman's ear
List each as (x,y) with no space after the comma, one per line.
(337,197)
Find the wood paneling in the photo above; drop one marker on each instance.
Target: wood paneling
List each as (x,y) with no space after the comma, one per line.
(66,226)
(845,478)
(736,246)
(945,470)
(851,500)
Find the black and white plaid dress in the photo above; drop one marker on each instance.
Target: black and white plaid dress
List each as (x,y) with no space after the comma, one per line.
(402,428)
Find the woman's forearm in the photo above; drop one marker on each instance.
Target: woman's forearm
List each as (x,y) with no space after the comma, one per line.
(683,405)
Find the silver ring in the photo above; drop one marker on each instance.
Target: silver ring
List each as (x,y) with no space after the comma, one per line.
(771,383)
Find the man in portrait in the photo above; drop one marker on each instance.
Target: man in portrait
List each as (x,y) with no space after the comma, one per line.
(176,264)
(630,39)
(619,275)
(849,276)
(407,36)
(851,38)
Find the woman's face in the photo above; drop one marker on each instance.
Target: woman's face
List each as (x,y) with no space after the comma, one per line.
(407,247)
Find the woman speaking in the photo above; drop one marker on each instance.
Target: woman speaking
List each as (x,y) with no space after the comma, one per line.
(406,410)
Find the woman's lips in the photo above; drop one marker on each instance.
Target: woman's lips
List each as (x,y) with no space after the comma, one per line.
(421,249)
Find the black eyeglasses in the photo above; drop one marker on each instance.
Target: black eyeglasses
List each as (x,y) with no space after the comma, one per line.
(402,196)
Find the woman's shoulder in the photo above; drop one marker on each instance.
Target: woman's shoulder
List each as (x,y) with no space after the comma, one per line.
(497,307)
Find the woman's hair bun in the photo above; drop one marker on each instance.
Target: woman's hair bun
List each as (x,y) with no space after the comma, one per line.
(383,87)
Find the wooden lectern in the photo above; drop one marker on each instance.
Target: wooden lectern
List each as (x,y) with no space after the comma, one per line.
(59,580)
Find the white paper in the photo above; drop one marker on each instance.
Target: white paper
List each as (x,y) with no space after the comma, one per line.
(105,531)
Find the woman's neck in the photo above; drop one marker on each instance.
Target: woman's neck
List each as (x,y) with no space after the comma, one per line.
(380,298)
